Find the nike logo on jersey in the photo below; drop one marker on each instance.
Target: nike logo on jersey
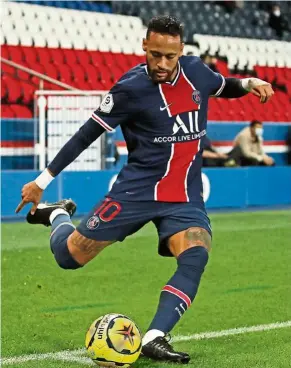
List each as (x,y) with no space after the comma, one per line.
(165,107)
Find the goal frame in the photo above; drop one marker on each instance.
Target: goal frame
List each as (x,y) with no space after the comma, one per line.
(40,124)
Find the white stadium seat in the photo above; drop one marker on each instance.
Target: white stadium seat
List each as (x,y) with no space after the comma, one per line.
(12,39)
(39,40)
(26,39)
(41,25)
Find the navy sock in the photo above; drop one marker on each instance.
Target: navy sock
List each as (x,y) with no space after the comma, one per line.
(181,289)
(62,228)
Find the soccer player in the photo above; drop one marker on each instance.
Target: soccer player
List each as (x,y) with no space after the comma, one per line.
(161,107)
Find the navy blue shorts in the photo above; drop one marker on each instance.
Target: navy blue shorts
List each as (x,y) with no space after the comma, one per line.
(113,219)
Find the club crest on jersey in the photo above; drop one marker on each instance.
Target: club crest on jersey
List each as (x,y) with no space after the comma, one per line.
(93,222)
(107,103)
(196,97)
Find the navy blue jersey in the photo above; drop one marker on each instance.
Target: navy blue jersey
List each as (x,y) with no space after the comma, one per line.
(164,126)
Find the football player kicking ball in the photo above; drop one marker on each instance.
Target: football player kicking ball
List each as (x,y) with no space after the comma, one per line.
(162,109)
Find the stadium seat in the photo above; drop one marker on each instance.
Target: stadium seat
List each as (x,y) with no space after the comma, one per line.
(62,43)
(22,74)
(4,90)
(7,112)
(21,111)
(28,90)
(14,89)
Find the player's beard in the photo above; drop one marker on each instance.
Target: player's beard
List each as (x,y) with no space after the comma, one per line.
(156,78)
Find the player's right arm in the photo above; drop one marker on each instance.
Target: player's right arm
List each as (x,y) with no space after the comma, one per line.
(114,110)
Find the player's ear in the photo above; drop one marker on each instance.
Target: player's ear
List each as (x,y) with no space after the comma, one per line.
(144,44)
(182,49)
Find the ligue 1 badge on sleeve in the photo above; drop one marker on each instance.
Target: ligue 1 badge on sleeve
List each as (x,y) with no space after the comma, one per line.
(93,222)
(196,97)
(107,103)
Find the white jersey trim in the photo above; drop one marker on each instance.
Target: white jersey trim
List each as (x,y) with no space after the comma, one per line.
(221,87)
(102,123)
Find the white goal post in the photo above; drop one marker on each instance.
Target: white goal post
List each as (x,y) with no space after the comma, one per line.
(58,115)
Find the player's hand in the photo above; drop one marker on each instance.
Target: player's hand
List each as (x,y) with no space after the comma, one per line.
(268,160)
(31,193)
(222,155)
(261,89)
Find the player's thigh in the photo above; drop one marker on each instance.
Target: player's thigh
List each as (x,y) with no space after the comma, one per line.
(183,226)
(109,221)
(189,238)
(84,249)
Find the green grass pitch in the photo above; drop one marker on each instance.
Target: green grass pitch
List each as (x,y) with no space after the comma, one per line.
(247,283)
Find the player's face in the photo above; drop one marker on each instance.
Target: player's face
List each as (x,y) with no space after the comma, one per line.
(162,54)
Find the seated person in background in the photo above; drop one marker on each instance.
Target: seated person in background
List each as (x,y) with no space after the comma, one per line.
(277,21)
(212,158)
(248,147)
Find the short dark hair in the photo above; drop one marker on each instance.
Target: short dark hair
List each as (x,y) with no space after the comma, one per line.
(255,122)
(165,24)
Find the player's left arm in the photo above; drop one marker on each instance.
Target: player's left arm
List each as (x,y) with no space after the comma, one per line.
(234,88)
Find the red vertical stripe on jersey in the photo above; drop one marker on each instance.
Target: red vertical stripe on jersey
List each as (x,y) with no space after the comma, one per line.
(179,96)
(173,186)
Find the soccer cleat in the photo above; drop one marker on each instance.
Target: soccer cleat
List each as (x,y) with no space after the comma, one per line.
(44,210)
(160,349)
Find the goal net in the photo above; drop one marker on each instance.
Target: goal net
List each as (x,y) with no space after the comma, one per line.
(59,114)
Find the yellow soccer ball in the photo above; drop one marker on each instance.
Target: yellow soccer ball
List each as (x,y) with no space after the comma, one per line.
(113,340)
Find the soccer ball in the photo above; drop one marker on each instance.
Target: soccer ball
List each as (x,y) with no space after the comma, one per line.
(113,340)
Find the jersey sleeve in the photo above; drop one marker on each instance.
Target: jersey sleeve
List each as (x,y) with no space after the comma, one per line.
(215,81)
(115,109)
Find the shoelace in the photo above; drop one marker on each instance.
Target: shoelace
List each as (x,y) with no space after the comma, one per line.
(164,343)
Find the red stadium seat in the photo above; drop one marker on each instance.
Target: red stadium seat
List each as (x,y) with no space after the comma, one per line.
(7,112)
(83,57)
(106,77)
(57,55)
(70,57)
(44,55)
(261,71)
(98,70)
(65,73)
(51,70)
(14,89)
(30,55)
(5,68)
(117,73)
(28,90)
(78,73)
(21,111)
(4,90)
(16,54)
(222,67)
(110,59)
(5,51)
(97,58)
(270,74)
(22,74)
(122,61)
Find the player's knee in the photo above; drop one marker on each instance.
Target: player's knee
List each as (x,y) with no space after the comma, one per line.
(198,237)
(63,257)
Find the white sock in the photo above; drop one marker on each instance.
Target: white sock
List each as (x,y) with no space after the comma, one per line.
(151,335)
(57,212)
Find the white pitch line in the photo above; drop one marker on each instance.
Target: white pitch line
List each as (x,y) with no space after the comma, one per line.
(76,355)
(233,331)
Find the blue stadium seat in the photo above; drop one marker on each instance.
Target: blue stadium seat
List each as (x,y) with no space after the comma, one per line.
(206,17)
(96,6)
